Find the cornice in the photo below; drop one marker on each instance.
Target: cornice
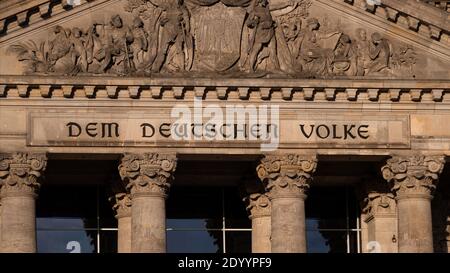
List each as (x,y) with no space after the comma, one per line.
(355,89)
(419,17)
(27,15)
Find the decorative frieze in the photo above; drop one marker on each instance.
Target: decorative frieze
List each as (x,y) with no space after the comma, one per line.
(287,175)
(413,175)
(19,173)
(147,174)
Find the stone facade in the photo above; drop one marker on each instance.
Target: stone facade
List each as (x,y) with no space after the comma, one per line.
(344,80)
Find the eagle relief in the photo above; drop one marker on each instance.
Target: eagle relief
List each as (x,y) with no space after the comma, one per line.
(226,38)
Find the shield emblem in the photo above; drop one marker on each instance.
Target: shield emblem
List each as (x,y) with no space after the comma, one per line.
(217,34)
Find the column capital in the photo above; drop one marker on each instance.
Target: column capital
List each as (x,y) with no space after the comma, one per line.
(121,204)
(258,205)
(147,174)
(376,198)
(20,172)
(413,175)
(287,175)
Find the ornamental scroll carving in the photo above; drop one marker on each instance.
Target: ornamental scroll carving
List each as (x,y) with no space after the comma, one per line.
(244,38)
(121,204)
(416,174)
(287,175)
(376,198)
(149,173)
(20,173)
(258,205)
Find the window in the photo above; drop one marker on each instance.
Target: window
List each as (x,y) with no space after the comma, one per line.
(199,219)
(73,219)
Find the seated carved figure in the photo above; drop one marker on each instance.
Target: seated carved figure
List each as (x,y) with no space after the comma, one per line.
(343,56)
(60,47)
(315,59)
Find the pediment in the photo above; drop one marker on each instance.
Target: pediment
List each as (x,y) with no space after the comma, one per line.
(224,38)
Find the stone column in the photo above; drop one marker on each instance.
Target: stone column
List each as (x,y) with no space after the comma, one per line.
(19,174)
(122,210)
(147,178)
(413,180)
(258,206)
(379,212)
(286,179)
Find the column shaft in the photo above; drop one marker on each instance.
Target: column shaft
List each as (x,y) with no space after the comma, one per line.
(148,224)
(124,234)
(261,230)
(19,224)
(415,225)
(288,225)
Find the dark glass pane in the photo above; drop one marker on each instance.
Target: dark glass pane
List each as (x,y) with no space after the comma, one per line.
(194,207)
(326,241)
(73,241)
(236,215)
(353,209)
(108,241)
(106,214)
(238,242)
(326,208)
(194,242)
(61,207)
(353,242)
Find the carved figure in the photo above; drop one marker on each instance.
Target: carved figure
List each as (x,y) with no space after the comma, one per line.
(60,45)
(175,35)
(315,58)
(260,20)
(79,52)
(379,53)
(362,46)
(230,36)
(291,32)
(140,42)
(114,51)
(342,55)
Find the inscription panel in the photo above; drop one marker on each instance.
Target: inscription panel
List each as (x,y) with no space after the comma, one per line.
(124,130)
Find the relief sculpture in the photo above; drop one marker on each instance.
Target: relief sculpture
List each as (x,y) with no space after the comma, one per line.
(244,38)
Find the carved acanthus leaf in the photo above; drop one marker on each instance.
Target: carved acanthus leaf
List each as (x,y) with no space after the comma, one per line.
(147,173)
(287,174)
(417,174)
(376,198)
(121,204)
(258,205)
(20,172)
